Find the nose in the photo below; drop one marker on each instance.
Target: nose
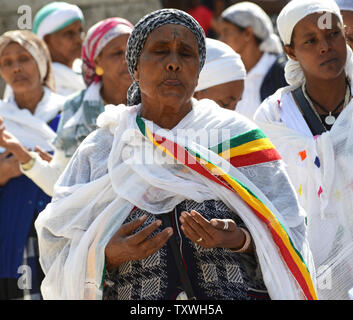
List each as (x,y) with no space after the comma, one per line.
(16,67)
(324,46)
(173,64)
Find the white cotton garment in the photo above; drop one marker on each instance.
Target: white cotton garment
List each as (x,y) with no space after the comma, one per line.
(68,81)
(32,129)
(105,180)
(320,169)
(251,98)
(222,65)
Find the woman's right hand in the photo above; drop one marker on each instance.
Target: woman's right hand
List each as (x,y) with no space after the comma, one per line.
(9,168)
(12,144)
(125,246)
(7,140)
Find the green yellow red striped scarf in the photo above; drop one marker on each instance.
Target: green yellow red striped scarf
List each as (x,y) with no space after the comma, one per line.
(251,147)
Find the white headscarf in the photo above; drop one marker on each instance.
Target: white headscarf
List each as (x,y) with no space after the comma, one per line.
(222,65)
(291,14)
(248,14)
(345,5)
(54,17)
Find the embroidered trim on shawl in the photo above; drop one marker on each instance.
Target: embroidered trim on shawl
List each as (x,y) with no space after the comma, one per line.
(247,149)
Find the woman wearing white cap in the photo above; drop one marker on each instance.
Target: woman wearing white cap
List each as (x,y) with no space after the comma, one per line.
(249,31)
(59,24)
(310,123)
(346,7)
(222,77)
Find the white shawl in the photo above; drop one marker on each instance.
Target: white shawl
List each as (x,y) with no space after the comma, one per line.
(32,129)
(106,178)
(320,169)
(68,81)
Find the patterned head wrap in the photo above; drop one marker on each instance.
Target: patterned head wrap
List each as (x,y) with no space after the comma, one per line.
(140,33)
(37,48)
(98,36)
(54,17)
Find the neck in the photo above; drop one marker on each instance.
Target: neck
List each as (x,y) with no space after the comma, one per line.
(327,93)
(114,94)
(62,60)
(166,116)
(251,56)
(30,99)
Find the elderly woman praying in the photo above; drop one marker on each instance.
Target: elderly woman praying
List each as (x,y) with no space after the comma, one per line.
(173,198)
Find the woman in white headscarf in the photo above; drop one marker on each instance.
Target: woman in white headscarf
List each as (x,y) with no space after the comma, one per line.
(59,24)
(249,31)
(31,114)
(107,77)
(222,77)
(346,7)
(310,122)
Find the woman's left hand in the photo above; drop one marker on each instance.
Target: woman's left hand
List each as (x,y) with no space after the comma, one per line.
(43,154)
(214,233)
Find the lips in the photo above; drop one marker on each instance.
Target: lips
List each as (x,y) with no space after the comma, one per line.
(329,61)
(172,82)
(19,78)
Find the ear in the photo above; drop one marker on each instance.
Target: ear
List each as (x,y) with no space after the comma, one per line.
(97,61)
(290,52)
(47,39)
(248,33)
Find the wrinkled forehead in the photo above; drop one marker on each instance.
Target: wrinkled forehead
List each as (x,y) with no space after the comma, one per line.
(172,32)
(152,22)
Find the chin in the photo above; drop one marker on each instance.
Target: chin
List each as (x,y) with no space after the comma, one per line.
(21,87)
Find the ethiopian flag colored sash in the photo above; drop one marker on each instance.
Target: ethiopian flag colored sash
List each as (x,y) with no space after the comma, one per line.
(248,148)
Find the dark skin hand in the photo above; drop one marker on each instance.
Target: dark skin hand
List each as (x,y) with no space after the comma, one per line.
(9,168)
(125,246)
(195,226)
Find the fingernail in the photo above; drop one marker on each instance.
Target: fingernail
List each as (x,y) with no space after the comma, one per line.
(193,213)
(170,231)
(159,222)
(181,219)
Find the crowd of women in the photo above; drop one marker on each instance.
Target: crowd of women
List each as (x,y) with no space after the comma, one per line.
(149,162)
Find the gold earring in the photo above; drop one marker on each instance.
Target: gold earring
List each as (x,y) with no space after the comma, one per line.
(99,71)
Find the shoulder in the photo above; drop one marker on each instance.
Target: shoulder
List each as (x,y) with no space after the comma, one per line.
(74,100)
(215,117)
(269,109)
(97,144)
(90,160)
